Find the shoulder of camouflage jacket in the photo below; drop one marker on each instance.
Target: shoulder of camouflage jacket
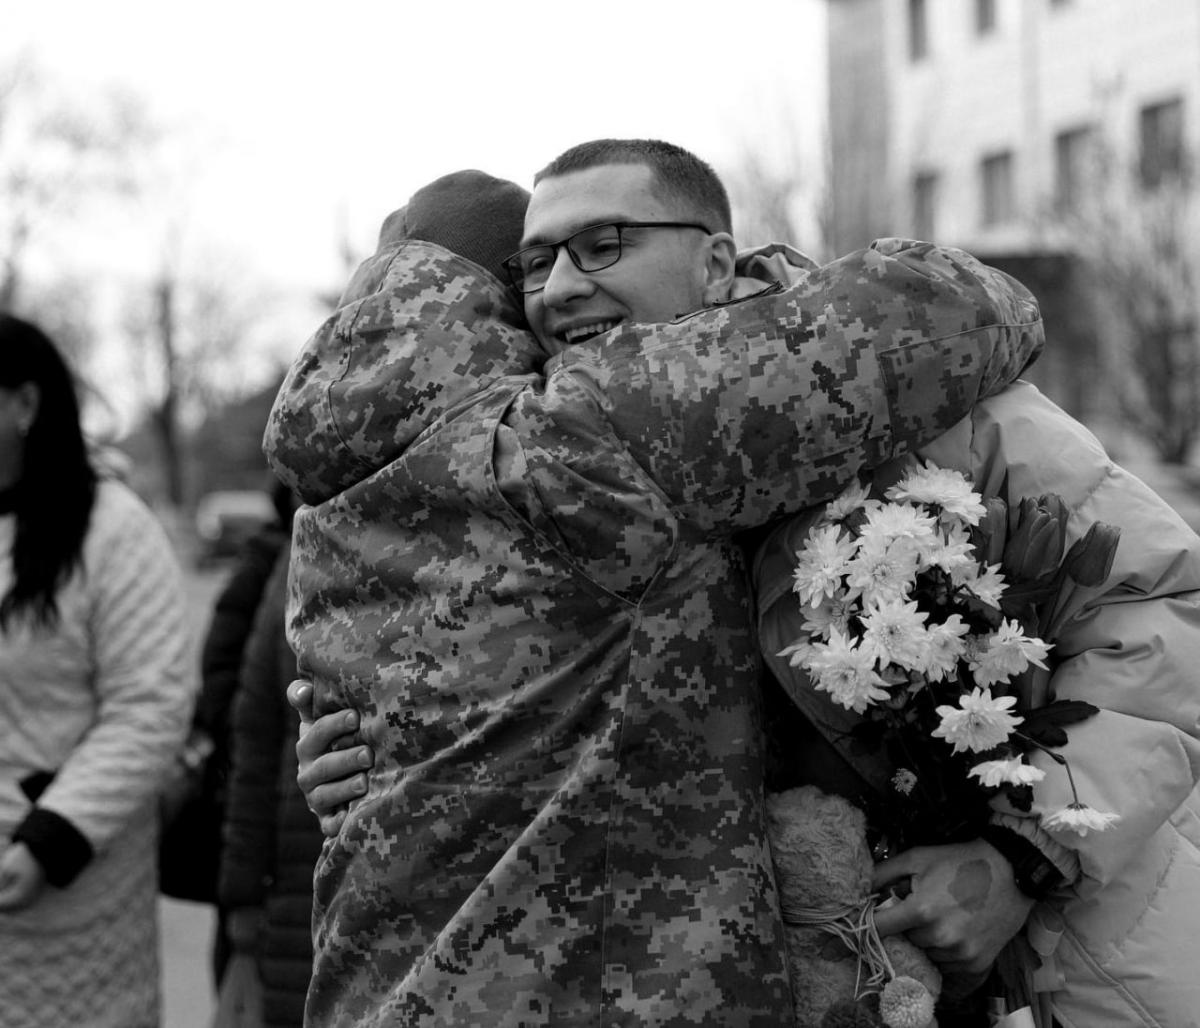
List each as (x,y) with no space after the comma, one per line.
(420,331)
(911,290)
(853,363)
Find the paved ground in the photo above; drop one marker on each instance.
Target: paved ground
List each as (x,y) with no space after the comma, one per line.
(186,935)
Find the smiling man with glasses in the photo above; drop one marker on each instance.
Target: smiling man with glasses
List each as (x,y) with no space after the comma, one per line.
(620,242)
(521,577)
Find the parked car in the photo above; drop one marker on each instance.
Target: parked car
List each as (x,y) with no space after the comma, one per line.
(226,518)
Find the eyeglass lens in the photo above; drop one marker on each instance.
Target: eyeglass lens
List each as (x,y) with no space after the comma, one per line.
(591,249)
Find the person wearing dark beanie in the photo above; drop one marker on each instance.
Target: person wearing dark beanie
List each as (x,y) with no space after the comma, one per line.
(516,578)
(470,213)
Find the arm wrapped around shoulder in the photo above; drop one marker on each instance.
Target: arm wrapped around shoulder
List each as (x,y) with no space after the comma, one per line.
(776,402)
(983,297)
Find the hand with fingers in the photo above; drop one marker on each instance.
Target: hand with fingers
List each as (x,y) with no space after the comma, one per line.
(21,877)
(961,907)
(332,758)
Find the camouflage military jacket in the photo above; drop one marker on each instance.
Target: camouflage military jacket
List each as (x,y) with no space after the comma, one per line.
(522,578)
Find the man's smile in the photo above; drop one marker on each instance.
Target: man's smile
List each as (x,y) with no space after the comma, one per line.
(584,331)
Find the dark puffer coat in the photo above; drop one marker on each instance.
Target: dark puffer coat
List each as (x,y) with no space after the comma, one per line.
(271,839)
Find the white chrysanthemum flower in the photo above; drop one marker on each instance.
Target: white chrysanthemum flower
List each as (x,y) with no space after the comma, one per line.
(898,521)
(821,562)
(853,499)
(1007,652)
(797,653)
(1013,771)
(940,487)
(946,646)
(820,618)
(1080,818)
(894,631)
(846,671)
(882,571)
(988,585)
(951,550)
(980,722)
(904,781)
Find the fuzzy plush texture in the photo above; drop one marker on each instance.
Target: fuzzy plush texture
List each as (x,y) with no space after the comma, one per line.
(819,848)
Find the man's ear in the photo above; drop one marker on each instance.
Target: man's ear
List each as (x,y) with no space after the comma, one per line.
(719,268)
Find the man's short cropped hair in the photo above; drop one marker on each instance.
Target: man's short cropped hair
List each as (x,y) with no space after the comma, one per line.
(680,176)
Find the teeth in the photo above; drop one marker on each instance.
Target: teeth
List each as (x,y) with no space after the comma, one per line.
(581,332)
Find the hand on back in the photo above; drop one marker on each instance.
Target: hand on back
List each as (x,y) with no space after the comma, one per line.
(332,758)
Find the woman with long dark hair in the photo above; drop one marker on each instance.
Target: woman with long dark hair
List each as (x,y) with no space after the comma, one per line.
(95,693)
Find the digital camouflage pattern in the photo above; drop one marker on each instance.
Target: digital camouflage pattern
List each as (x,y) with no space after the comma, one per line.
(525,584)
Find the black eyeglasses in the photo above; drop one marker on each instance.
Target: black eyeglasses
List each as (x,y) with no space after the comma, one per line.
(591,249)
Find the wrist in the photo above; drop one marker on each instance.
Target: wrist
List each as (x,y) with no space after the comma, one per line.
(61,850)
(1033,872)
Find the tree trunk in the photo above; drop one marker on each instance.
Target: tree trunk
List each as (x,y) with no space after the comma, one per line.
(166,417)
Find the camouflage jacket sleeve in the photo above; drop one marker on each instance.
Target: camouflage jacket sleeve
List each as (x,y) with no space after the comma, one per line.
(774,402)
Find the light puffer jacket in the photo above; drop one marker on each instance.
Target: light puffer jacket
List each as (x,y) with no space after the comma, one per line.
(524,583)
(1127,953)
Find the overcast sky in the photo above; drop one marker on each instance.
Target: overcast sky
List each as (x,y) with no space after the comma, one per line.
(301,117)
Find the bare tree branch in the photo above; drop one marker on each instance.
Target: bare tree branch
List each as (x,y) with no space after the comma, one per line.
(1140,247)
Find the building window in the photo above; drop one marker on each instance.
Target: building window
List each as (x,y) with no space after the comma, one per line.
(1072,154)
(985,17)
(998,188)
(1161,131)
(918,30)
(924,199)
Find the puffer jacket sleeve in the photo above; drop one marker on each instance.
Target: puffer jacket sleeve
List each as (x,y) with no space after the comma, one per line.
(774,402)
(1130,646)
(144,675)
(259,727)
(229,628)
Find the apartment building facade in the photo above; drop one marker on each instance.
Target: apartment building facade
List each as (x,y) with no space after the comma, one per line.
(965,120)
(976,122)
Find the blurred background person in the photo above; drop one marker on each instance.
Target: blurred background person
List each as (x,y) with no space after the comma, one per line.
(271,841)
(190,851)
(95,693)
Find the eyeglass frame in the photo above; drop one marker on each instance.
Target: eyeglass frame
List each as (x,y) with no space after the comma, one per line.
(565,244)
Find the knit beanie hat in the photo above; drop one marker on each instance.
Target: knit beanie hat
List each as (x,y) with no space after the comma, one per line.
(470,213)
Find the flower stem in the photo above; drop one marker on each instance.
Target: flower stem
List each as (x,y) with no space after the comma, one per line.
(1058,758)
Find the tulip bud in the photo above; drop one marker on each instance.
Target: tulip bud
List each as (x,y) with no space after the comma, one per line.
(989,536)
(1090,559)
(1035,546)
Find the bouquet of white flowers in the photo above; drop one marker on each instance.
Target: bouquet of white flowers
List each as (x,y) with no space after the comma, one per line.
(926,612)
